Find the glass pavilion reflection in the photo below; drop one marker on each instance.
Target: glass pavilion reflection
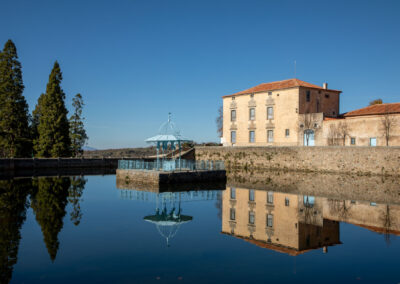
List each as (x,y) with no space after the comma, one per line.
(168,217)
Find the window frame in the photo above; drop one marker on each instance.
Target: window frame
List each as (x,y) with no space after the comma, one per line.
(233,117)
(252,116)
(270,221)
(287,132)
(270,115)
(233,141)
(252,217)
(252,195)
(352,139)
(308,96)
(268,136)
(252,139)
(233,193)
(232,214)
(270,197)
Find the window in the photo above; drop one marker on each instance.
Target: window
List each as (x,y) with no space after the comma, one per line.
(251,95)
(233,98)
(269,93)
(233,193)
(372,204)
(308,96)
(270,197)
(333,112)
(270,136)
(252,113)
(251,136)
(327,96)
(308,201)
(233,136)
(286,201)
(251,217)
(233,214)
(287,133)
(233,115)
(372,142)
(251,194)
(353,141)
(270,220)
(270,113)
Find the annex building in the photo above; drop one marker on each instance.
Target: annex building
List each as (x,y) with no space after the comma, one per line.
(294,113)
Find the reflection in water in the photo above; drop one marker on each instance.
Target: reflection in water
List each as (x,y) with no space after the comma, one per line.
(74,197)
(283,212)
(13,207)
(282,222)
(48,202)
(296,223)
(49,197)
(168,215)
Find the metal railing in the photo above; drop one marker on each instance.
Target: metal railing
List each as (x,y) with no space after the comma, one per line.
(171,165)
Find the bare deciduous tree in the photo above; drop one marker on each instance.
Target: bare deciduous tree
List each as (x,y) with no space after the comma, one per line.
(219,121)
(338,133)
(387,124)
(308,124)
(333,135)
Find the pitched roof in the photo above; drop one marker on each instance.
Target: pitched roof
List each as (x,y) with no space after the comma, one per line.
(285,84)
(375,109)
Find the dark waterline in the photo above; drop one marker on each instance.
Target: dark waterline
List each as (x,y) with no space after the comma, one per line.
(85,230)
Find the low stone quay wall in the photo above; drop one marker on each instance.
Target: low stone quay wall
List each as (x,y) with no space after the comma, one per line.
(127,178)
(20,164)
(353,160)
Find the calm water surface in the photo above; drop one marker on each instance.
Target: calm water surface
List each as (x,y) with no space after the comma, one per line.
(85,230)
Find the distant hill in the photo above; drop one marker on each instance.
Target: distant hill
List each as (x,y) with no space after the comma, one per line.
(120,153)
(88,148)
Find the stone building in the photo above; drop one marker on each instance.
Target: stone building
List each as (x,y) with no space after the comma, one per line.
(293,113)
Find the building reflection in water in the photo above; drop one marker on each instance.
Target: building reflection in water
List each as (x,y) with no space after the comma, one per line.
(294,223)
(168,215)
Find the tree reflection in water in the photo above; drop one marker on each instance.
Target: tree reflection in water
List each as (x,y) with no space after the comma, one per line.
(74,197)
(13,205)
(48,203)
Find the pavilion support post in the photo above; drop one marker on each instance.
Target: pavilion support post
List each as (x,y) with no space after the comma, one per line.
(180,148)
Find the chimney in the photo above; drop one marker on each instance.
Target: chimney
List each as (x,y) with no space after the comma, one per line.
(325,85)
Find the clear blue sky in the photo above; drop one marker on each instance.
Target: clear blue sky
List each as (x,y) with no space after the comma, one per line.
(135,61)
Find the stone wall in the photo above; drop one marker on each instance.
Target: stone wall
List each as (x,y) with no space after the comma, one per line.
(20,164)
(379,189)
(349,160)
(155,179)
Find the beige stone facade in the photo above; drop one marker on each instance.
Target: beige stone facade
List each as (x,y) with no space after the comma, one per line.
(368,130)
(271,116)
(297,113)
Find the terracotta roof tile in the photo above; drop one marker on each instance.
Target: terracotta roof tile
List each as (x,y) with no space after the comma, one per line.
(375,109)
(285,84)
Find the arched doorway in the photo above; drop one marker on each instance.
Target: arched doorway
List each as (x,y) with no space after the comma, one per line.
(308,137)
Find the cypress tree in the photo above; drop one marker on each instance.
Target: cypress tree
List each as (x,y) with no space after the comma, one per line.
(77,131)
(14,127)
(50,116)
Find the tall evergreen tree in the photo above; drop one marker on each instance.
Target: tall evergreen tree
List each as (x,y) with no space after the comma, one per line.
(14,128)
(77,131)
(51,117)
